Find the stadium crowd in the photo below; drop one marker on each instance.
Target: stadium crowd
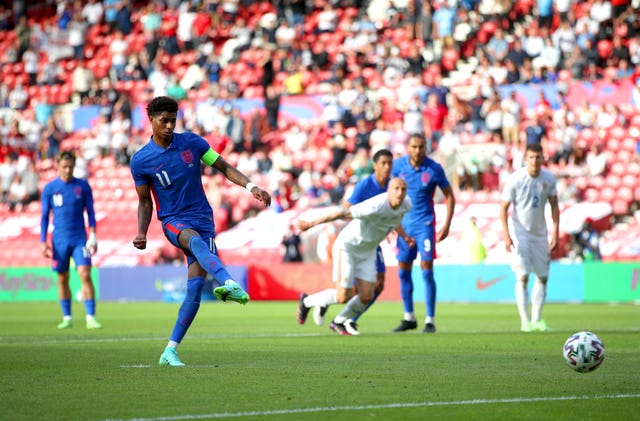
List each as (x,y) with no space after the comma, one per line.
(382,68)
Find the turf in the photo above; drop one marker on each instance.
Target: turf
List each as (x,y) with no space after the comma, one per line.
(256,362)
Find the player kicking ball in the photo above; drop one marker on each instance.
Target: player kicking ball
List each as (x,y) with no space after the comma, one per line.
(354,253)
(168,167)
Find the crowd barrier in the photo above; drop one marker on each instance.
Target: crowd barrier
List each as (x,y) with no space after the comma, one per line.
(577,282)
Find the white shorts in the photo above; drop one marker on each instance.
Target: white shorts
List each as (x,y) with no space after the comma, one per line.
(349,266)
(531,255)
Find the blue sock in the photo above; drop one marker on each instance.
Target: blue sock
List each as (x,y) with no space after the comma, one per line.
(188,309)
(209,261)
(430,292)
(90,307)
(406,289)
(375,297)
(65,305)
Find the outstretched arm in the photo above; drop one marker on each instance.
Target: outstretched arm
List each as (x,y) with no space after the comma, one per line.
(341,214)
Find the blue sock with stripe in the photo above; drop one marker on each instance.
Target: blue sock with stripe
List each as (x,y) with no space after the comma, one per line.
(406,289)
(65,305)
(188,309)
(430,292)
(209,261)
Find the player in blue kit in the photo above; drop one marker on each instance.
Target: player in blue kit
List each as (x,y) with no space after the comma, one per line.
(366,188)
(68,198)
(167,168)
(422,175)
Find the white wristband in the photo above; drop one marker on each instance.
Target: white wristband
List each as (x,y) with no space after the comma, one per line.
(250,186)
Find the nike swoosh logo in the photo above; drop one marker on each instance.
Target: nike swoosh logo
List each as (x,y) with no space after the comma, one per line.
(480,284)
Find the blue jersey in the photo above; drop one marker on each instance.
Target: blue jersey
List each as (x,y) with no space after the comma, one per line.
(366,189)
(173,175)
(68,201)
(421,186)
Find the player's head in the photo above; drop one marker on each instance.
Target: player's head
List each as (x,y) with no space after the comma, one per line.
(533,157)
(162,112)
(382,162)
(66,163)
(397,191)
(417,147)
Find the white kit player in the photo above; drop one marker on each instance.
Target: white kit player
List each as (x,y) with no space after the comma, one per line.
(354,251)
(529,189)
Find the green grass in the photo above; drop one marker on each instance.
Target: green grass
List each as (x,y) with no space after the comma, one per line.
(256,362)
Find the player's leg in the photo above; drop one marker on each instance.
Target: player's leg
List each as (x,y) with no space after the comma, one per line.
(522,301)
(538,298)
(199,245)
(406,256)
(541,259)
(186,314)
(82,258)
(521,268)
(356,305)
(426,244)
(379,286)
(61,257)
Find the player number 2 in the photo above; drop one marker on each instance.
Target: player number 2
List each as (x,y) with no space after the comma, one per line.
(163,178)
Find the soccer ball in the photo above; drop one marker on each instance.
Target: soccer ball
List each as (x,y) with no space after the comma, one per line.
(583,351)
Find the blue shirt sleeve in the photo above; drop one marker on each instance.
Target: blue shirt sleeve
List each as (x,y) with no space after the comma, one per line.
(46,211)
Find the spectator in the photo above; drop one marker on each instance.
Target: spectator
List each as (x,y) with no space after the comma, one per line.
(92,12)
(535,132)
(292,242)
(596,161)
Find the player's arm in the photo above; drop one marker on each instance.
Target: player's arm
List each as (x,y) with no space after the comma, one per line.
(213,159)
(504,214)
(555,217)
(450,201)
(45,249)
(341,214)
(92,241)
(145,211)
(406,237)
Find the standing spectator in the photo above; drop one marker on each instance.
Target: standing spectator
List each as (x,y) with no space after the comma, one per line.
(123,17)
(81,81)
(77,34)
(31,62)
(535,132)
(529,189)
(291,242)
(186,19)
(272,105)
(511,115)
(92,12)
(422,175)
(68,198)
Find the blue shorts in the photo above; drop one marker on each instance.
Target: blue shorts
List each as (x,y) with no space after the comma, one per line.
(63,251)
(204,227)
(380,266)
(425,243)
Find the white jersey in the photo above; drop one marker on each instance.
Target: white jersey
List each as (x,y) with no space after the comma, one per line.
(373,220)
(529,196)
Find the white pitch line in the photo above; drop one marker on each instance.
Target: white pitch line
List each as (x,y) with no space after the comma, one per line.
(386,406)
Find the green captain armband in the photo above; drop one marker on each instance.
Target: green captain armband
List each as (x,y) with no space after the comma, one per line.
(210,157)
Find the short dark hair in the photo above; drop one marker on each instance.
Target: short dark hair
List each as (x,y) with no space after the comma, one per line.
(160,105)
(65,154)
(534,147)
(381,153)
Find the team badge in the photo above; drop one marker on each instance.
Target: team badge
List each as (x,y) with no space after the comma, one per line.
(425,177)
(187,156)
(77,191)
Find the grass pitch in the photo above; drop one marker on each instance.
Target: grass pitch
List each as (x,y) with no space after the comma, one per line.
(256,362)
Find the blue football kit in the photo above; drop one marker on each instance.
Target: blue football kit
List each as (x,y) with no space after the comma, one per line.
(419,223)
(174,177)
(67,202)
